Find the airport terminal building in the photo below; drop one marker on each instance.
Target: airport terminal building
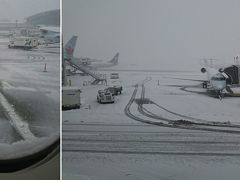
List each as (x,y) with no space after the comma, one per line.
(48,18)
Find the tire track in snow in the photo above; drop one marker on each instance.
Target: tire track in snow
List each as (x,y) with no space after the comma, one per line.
(191,126)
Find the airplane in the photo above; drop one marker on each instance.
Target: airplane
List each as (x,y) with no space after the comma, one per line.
(50,35)
(217,81)
(85,61)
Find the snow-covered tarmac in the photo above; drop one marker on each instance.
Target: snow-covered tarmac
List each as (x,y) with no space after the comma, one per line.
(100,142)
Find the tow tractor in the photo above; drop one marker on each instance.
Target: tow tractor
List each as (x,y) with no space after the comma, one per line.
(105,96)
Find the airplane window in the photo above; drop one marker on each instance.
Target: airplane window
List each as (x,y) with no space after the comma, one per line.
(29,103)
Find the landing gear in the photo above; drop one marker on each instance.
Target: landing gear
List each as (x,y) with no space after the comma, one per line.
(204,85)
(219,95)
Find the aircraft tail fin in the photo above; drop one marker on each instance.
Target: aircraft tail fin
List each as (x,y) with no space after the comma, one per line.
(114,60)
(70,47)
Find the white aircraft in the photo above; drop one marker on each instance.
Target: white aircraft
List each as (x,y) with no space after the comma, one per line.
(215,82)
(85,61)
(50,34)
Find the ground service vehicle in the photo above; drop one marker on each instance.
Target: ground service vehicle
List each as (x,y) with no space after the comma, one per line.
(115,90)
(105,96)
(114,76)
(71,98)
(23,42)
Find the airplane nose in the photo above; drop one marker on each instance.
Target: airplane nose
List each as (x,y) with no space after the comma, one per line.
(220,86)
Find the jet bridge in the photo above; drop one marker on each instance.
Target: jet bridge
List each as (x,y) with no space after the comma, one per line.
(233,73)
(80,68)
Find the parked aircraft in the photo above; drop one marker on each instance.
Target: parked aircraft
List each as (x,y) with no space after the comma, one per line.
(215,82)
(50,35)
(74,62)
(85,61)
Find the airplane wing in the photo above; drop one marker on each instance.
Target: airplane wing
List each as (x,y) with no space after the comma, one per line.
(88,59)
(197,80)
(96,60)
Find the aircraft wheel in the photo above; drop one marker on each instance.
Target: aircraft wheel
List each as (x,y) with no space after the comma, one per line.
(204,85)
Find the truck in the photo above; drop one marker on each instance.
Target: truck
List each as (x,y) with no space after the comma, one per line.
(114,76)
(71,98)
(115,90)
(105,96)
(22,42)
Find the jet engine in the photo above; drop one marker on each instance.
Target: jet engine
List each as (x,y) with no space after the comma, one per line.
(203,70)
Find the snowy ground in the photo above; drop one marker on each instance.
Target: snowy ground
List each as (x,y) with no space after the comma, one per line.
(32,96)
(100,142)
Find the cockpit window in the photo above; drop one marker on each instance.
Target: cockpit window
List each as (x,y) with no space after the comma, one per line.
(218,78)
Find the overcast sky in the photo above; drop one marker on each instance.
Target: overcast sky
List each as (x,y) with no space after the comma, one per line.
(158,32)
(20,9)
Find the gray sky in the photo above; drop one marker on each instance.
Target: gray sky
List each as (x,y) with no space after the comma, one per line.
(157,32)
(19,9)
